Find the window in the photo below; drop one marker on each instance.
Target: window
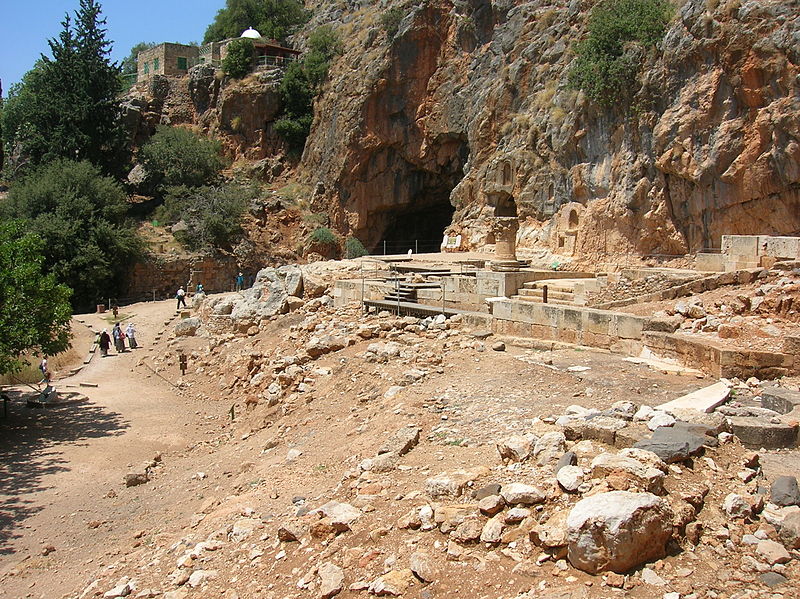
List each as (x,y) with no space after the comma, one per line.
(146,68)
(182,63)
(155,65)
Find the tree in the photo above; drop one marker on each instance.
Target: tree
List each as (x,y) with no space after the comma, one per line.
(608,60)
(81,217)
(66,106)
(36,310)
(301,83)
(238,62)
(130,64)
(179,156)
(274,19)
(211,217)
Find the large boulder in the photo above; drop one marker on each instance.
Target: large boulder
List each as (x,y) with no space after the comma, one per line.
(187,327)
(269,293)
(617,531)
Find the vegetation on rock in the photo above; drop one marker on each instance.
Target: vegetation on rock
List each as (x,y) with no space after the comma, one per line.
(274,19)
(608,60)
(390,20)
(36,309)
(179,156)
(323,236)
(66,106)
(353,248)
(80,215)
(206,217)
(301,83)
(239,60)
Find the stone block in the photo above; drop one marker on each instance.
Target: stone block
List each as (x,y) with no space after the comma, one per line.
(709,262)
(629,327)
(740,245)
(597,322)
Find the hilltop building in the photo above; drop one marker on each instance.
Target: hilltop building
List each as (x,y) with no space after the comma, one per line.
(176,59)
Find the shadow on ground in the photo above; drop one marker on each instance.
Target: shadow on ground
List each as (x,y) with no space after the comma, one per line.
(29,451)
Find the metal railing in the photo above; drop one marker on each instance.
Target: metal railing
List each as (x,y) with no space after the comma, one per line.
(387,247)
(274,61)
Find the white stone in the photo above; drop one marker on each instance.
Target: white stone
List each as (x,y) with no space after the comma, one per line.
(570,478)
(520,493)
(736,506)
(660,419)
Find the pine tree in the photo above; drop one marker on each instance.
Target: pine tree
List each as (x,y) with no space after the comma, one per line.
(66,107)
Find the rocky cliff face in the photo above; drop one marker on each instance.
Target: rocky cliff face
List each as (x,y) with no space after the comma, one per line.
(238,113)
(469,102)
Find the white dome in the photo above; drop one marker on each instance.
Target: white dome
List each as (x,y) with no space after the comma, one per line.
(251,34)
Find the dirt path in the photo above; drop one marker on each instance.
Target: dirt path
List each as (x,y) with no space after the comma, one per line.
(61,468)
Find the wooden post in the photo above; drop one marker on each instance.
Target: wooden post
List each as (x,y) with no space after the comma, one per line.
(544,294)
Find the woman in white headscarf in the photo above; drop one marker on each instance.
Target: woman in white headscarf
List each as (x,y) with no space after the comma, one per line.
(130,332)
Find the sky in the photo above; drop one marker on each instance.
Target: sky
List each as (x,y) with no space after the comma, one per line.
(26,25)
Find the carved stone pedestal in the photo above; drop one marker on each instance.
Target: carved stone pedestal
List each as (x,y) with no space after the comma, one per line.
(505,244)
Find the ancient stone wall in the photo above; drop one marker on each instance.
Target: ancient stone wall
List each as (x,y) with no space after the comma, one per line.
(162,276)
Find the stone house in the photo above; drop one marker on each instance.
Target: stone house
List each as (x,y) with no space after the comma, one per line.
(176,59)
(166,59)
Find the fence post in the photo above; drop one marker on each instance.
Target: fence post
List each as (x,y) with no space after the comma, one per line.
(416,246)
(384,247)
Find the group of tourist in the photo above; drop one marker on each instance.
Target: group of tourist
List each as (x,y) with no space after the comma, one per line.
(118,336)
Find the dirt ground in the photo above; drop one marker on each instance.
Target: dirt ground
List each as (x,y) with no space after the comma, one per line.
(67,520)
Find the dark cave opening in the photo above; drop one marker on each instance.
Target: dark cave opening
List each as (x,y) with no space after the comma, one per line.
(418,227)
(421,210)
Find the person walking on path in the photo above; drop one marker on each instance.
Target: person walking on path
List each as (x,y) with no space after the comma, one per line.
(181,297)
(130,333)
(43,368)
(240,282)
(119,338)
(104,342)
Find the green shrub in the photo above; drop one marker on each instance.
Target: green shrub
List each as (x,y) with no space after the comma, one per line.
(212,216)
(301,82)
(239,60)
(608,60)
(390,20)
(353,248)
(323,236)
(179,156)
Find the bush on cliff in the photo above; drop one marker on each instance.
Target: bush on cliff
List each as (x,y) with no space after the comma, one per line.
(390,20)
(301,82)
(179,156)
(239,60)
(353,248)
(207,217)
(608,60)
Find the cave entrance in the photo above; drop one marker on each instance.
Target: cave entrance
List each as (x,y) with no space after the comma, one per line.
(419,227)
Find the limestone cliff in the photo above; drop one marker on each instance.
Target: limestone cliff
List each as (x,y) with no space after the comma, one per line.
(470,98)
